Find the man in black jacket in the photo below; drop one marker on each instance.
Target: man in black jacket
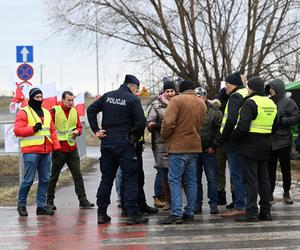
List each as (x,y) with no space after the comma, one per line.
(236,92)
(210,140)
(123,123)
(253,136)
(288,115)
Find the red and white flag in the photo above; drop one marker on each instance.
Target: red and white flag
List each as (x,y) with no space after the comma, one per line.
(79,104)
(18,101)
(49,95)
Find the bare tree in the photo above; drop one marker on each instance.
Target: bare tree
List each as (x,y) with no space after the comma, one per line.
(200,40)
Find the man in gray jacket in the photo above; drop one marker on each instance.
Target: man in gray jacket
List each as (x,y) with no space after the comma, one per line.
(287,116)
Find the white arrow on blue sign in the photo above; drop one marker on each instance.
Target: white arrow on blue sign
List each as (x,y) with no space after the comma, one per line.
(24,54)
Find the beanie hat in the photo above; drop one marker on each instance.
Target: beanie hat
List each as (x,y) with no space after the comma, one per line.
(234,79)
(131,79)
(185,85)
(256,83)
(33,92)
(201,91)
(169,85)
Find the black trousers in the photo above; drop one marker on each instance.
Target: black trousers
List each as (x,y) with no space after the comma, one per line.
(256,181)
(59,159)
(115,152)
(284,156)
(141,198)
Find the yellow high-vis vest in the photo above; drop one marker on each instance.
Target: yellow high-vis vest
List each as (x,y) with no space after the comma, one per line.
(266,112)
(39,137)
(64,126)
(243,92)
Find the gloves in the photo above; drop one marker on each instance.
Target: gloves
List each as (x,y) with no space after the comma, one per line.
(37,127)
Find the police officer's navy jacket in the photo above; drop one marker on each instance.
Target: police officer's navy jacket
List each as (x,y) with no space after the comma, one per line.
(122,112)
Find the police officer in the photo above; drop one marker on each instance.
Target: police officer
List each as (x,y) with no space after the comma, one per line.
(253,134)
(123,123)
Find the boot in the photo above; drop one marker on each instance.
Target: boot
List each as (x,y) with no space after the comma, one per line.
(103,218)
(44,211)
(287,198)
(158,202)
(50,205)
(166,188)
(136,219)
(147,209)
(231,205)
(171,219)
(222,198)
(86,204)
(22,211)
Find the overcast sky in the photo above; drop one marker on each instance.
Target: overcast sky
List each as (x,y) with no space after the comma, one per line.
(64,64)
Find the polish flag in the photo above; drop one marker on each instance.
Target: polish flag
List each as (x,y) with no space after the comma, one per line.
(49,95)
(18,101)
(79,104)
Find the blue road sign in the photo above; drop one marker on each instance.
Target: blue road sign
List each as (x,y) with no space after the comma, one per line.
(25,71)
(24,54)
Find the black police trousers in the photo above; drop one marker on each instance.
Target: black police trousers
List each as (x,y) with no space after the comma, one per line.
(141,198)
(115,152)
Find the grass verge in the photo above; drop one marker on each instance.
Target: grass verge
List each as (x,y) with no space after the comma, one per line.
(8,195)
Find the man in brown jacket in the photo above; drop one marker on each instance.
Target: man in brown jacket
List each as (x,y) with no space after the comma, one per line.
(181,129)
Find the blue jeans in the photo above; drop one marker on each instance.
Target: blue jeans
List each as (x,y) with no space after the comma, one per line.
(33,163)
(118,181)
(182,166)
(236,178)
(208,162)
(158,191)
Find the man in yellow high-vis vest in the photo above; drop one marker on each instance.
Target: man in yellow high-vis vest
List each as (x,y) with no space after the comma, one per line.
(34,126)
(235,90)
(253,135)
(68,127)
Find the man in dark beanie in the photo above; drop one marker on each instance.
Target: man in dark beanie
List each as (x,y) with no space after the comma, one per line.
(123,124)
(235,90)
(34,126)
(288,115)
(253,137)
(181,125)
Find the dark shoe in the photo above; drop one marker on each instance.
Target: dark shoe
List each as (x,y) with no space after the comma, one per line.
(222,198)
(266,216)
(198,210)
(287,198)
(136,219)
(44,211)
(148,210)
(187,217)
(22,211)
(85,204)
(247,218)
(171,219)
(214,209)
(50,205)
(230,206)
(103,219)
(119,204)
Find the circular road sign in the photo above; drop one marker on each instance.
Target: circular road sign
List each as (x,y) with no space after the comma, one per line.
(25,71)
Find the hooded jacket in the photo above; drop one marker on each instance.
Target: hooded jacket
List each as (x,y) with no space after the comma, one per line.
(287,116)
